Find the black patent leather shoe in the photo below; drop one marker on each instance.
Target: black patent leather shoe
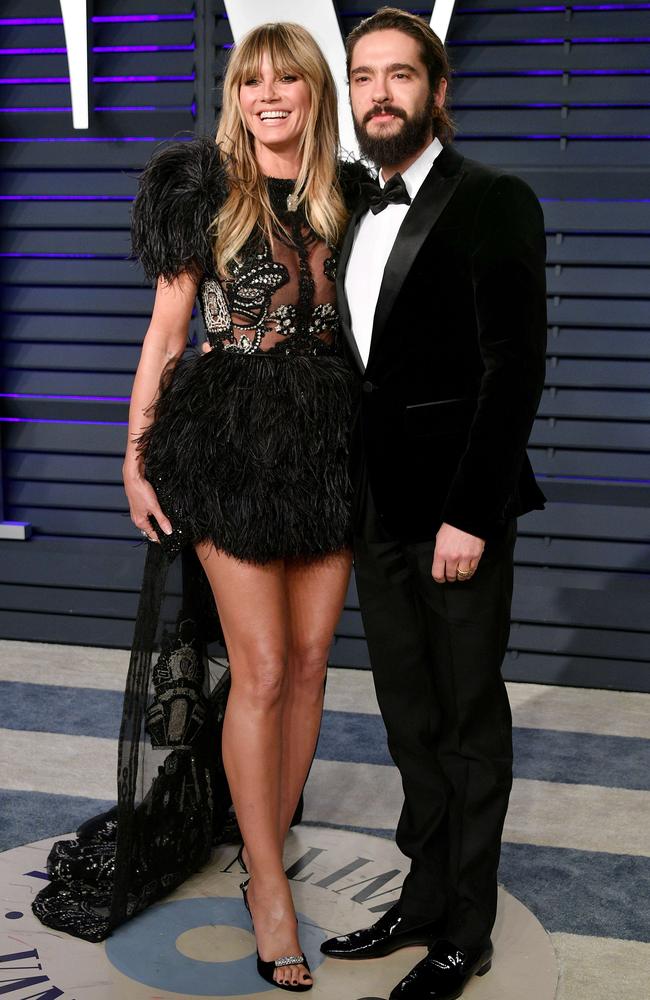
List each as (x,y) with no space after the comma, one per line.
(444,973)
(391,932)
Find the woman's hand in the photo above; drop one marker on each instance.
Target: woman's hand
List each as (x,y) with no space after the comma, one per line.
(163,345)
(144,502)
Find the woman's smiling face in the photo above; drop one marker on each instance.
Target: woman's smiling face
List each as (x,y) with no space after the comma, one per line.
(275,107)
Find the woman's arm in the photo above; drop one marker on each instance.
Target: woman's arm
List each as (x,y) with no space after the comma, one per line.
(163,344)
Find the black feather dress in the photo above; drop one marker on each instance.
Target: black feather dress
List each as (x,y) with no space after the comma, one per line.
(247,449)
(248,446)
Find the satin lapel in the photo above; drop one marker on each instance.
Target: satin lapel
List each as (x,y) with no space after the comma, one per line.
(341,297)
(428,204)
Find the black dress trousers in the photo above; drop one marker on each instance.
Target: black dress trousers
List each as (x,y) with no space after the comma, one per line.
(436,652)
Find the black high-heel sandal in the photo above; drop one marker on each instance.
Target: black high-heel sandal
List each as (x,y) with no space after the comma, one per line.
(266,969)
(240,858)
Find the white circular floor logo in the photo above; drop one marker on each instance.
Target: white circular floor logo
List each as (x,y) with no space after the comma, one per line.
(198,942)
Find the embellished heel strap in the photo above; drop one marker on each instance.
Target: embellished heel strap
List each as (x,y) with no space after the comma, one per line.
(280,963)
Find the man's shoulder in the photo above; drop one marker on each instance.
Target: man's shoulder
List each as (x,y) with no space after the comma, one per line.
(487,176)
(484,183)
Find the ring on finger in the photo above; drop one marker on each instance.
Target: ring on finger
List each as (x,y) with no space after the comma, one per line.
(464,574)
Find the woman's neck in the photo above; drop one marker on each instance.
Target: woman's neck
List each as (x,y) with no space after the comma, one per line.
(278,162)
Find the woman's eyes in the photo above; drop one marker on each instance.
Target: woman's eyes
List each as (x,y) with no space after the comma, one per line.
(287,78)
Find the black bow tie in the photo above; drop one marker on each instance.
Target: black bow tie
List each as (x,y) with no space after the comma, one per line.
(393,193)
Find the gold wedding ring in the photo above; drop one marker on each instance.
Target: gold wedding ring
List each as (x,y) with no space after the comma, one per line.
(464,574)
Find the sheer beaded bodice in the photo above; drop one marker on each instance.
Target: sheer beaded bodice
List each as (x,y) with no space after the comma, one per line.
(278,299)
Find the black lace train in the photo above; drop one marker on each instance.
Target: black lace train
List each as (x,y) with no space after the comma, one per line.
(173,799)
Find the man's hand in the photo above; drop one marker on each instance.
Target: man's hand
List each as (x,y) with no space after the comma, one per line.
(456,555)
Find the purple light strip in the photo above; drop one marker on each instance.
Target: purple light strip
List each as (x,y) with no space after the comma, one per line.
(146,78)
(172,78)
(105,107)
(145,48)
(604,40)
(18,80)
(554,9)
(65,197)
(26,111)
(555,135)
(147,107)
(612,6)
(498,74)
(114,138)
(56,50)
(85,399)
(140,18)
(600,201)
(548,104)
(15,22)
(61,256)
(45,420)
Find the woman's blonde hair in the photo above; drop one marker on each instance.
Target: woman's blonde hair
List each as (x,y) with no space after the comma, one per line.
(291,49)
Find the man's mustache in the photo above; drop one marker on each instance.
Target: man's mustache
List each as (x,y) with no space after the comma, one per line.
(384,109)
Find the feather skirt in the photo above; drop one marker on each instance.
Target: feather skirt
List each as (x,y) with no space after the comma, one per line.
(251,452)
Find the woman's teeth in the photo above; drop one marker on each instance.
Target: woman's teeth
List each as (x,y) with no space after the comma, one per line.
(264,115)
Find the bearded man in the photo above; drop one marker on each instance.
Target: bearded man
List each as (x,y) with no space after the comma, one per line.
(442,299)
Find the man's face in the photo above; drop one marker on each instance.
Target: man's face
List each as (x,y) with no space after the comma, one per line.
(390,93)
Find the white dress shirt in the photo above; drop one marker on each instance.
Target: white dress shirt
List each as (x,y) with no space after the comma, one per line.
(371,249)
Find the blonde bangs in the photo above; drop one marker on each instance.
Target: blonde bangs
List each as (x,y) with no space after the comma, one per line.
(291,49)
(281,55)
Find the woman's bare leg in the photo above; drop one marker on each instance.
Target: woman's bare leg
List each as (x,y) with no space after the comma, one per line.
(252,605)
(316,594)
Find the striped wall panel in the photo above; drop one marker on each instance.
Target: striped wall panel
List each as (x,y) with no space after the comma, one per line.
(559,95)
(75,308)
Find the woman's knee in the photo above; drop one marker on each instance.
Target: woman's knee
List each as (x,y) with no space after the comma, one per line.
(259,678)
(308,663)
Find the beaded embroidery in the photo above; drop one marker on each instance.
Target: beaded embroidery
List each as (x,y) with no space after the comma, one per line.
(278,300)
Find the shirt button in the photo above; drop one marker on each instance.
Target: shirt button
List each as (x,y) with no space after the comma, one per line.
(368,386)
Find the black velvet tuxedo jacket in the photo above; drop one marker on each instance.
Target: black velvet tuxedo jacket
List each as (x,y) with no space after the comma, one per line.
(457,357)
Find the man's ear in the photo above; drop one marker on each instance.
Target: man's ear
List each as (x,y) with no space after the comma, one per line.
(441,93)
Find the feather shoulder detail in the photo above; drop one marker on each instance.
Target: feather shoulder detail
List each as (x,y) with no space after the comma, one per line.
(179,194)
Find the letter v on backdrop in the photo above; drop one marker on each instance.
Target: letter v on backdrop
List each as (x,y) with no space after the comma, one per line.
(318,16)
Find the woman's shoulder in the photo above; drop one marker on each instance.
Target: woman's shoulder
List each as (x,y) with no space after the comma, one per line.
(352,175)
(194,162)
(179,194)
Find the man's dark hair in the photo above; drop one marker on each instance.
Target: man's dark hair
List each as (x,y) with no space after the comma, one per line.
(432,52)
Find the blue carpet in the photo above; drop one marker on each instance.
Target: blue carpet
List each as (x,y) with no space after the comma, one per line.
(29,816)
(45,708)
(580,892)
(540,754)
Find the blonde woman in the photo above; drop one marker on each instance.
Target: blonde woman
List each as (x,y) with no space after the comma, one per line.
(244,455)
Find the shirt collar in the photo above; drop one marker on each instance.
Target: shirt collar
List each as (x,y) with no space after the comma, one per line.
(414,176)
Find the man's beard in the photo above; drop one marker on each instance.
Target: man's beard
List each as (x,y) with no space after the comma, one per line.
(392,149)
